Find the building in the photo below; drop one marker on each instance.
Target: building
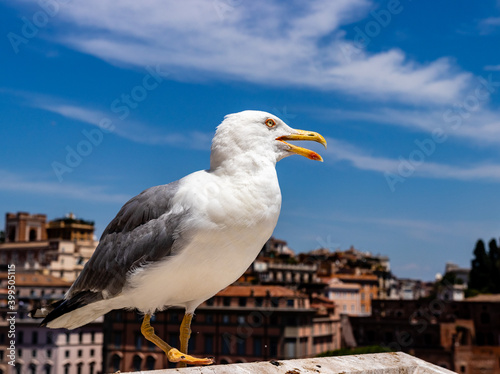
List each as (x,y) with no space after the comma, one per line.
(463,336)
(241,323)
(60,247)
(70,228)
(347,296)
(282,273)
(43,350)
(461,274)
(368,288)
(412,289)
(25,227)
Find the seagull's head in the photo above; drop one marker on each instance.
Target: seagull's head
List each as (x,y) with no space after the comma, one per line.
(256,135)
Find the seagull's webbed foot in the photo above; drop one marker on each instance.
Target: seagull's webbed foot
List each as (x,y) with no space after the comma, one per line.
(173,355)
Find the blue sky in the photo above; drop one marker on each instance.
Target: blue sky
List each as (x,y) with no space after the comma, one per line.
(100,100)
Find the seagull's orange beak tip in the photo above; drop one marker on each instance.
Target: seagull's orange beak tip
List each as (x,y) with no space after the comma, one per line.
(304,135)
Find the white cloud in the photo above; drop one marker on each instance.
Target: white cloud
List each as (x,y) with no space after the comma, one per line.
(16,183)
(128,129)
(360,159)
(479,125)
(272,43)
(492,68)
(488,25)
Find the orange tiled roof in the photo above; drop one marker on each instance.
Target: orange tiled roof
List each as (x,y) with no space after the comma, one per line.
(40,280)
(495,298)
(258,291)
(355,277)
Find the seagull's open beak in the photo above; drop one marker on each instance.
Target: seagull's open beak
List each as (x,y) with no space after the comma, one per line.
(304,135)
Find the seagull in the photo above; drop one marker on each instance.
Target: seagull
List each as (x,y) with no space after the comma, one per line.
(179,244)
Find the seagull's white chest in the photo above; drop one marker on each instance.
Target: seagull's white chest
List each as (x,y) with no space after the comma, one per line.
(232,220)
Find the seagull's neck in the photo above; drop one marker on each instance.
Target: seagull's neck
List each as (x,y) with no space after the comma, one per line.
(246,165)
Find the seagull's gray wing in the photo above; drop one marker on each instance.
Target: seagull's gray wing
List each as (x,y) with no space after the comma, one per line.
(143,232)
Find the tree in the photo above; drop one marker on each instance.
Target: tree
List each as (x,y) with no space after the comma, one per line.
(479,278)
(494,255)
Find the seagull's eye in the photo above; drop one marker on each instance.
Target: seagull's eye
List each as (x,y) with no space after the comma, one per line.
(270,122)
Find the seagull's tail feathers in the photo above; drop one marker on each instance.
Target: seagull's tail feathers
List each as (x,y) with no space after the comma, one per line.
(75,311)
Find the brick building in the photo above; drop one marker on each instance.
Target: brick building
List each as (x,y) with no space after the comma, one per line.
(463,336)
(60,247)
(239,324)
(42,350)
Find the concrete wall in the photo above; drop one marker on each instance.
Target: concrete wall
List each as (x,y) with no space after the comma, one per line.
(380,363)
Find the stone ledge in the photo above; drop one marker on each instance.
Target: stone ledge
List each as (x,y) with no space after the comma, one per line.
(378,363)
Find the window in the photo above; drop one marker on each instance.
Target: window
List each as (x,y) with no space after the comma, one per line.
(226,344)
(92,352)
(192,343)
(151,346)
(241,320)
(259,301)
(209,344)
(289,303)
(47,369)
(79,368)
(118,315)
(150,363)
(66,353)
(116,362)
(33,353)
(242,301)
(92,336)
(257,346)
(226,301)
(67,337)
(34,337)
(66,368)
(241,347)
(49,337)
(33,369)
(49,353)
(210,302)
(92,368)
(117,339)
(225,319)
(80,353)
(273,347)
(19,352)
(12,234)
(138,341)
(20,337)
(80,337)
(137,363)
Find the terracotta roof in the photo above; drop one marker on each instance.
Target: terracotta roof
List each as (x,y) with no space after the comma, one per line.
(495,298)
(361,277)
(40,280)
(259,291)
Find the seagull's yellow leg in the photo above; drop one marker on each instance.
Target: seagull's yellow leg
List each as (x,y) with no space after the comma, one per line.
(185,334)
(173,355)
